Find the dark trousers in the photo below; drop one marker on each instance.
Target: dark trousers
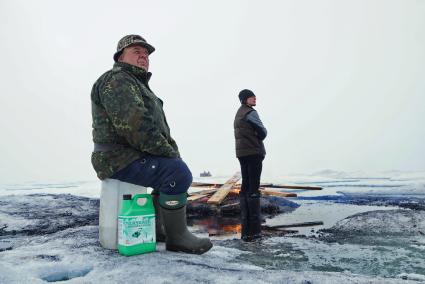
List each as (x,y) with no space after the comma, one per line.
(165,175)
(251,167)
(249,196)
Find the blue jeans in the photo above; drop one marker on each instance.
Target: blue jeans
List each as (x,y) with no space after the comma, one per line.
(165,175)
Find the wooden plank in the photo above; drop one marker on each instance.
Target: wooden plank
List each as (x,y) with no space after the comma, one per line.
(304,224)
(206,191)
(230,207)
(205,184)
(222,192)
(196,197)
(271,185)
(278,193)
(266,228)
(219,196)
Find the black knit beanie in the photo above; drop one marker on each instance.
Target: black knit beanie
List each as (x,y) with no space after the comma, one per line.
(244,95)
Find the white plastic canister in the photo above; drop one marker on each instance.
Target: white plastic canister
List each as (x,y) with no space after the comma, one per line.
(111,194)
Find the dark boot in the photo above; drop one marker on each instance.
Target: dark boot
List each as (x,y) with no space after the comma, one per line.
(254,218)
(178,236)
(244,219)
(159,228)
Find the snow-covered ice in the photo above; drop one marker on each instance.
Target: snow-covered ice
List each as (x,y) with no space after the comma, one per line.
(373,232)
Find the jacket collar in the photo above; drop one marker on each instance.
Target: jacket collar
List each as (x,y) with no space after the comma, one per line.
(245,105)
(140,73)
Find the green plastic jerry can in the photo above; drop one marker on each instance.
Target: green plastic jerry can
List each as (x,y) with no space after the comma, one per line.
(136,225)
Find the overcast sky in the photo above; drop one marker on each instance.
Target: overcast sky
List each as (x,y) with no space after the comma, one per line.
(340,84)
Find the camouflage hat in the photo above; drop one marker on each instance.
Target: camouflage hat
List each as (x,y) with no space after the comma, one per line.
(132,40)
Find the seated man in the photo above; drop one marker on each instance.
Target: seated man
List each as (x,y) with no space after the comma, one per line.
(132,142)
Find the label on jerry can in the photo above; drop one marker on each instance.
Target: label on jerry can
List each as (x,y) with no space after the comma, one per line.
(134,230)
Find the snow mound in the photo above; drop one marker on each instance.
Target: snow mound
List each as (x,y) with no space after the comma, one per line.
(389,222)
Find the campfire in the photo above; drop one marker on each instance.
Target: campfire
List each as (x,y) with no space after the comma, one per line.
(216,207)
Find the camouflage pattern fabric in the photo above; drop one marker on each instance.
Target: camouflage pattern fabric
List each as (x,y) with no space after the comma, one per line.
(132,40)
(126,112)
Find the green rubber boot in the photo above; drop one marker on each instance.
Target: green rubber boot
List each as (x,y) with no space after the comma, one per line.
(178,237)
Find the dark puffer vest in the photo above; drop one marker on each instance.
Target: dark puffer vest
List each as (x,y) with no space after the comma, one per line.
(246,138)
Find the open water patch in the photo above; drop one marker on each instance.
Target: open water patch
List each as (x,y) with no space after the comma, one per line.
(64,273)
(5,245)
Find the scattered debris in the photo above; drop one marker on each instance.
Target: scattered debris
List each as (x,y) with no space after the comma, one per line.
(222,198)
(220,191)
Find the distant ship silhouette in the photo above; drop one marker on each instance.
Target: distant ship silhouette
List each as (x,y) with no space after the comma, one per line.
(205,174)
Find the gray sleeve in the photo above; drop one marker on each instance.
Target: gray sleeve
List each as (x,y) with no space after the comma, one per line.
(253,118)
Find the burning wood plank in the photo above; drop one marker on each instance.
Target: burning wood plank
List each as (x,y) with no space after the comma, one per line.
(222,192)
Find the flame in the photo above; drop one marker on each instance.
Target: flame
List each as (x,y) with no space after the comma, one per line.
(236,189)
(214,227)
(236,228)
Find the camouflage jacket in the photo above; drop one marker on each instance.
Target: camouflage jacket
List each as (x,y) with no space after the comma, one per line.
(126,112)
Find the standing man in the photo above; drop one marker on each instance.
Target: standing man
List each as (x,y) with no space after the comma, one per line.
(132,142)
(249,135)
